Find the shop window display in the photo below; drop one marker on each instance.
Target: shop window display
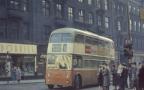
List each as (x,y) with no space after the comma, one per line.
(4,67)
(28,67)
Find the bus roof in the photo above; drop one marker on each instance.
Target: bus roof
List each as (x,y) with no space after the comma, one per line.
(73,30)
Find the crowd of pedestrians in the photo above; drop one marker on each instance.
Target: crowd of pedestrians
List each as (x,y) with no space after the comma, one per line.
(123,76)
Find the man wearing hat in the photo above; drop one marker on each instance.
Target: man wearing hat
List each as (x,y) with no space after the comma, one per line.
(123,77)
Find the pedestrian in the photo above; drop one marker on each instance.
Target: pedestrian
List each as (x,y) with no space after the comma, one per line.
(130,75)
(119,71)
(106,77)
(134,75)
(141,78)
(7,70)
(138,69)
(123,77)
(18,74)
(13,73)
(100,77)
(114,77)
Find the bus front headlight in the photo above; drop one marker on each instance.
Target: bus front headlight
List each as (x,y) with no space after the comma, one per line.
(67,76)
(48,75)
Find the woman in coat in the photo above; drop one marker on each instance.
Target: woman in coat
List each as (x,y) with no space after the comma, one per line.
(106,78)
(123,78)
(100,77)
(141,78)
(114,77)
(13,73)
(18,74)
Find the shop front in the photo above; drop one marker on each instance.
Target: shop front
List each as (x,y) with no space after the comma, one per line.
(17,55)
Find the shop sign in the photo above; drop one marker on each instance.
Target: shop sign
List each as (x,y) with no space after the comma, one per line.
(14,48)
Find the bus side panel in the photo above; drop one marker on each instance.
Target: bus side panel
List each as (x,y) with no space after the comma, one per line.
(58,77)
(89,76)
(79,48)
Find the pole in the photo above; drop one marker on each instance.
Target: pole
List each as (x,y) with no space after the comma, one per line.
(129,24)
(129,31)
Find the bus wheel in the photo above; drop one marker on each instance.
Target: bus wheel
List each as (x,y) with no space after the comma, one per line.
(50,86)
(60,86)
(77,82)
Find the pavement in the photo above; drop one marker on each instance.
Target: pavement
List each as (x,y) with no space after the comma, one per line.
(22,82)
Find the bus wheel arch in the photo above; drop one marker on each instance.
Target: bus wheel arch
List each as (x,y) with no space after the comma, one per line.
(77,81)
(50,86)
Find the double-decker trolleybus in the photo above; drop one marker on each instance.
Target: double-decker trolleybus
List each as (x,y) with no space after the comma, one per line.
(74,55)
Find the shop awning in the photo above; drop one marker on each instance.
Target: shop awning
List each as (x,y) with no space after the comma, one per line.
(14,48)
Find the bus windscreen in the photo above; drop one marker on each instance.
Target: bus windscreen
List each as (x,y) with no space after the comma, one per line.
(61,38)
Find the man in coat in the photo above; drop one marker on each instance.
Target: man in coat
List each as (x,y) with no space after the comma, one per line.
(106,77)
(141,78)
(123,78)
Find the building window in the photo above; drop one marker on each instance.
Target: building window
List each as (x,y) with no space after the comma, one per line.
(119,25)
(81,15)
(139,26)
(14,4)
(143,27)
(25,5)
(59,10)
(70,13)
(106,4)
(90,18)
(135,25)
(106,22)
(122,9)
(2,2)
(114,6)
(89,2)
(21,5)
(99,20)
(134,41)
(130,24)
(129,7)
(26,34)
(134,10)
(2,29)
(99,3)
(46,7)
(118,8)
(138,11)
(13,30)
(47,32)
(80,1)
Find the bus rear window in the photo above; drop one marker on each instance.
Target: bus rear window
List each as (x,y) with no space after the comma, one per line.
(61,38)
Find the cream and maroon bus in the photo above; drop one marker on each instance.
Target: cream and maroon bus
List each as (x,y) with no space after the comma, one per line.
(73,57)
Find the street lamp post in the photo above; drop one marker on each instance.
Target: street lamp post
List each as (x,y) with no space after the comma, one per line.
(128,43)
(129,25)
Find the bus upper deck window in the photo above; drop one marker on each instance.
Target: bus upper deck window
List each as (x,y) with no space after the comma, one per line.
(66,38)
(61,38)
(55,38)
(79,38)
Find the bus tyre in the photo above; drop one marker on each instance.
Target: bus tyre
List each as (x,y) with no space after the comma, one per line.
(77,83)
(50,86)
